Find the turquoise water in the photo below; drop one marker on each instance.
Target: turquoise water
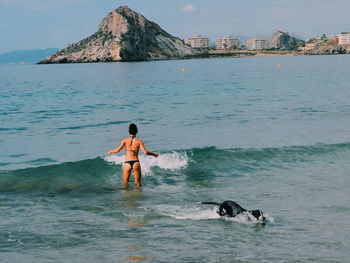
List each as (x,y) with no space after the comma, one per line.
(270,138)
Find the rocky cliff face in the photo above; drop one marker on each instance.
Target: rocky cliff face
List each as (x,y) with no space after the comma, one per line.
(325,46)
(123,35)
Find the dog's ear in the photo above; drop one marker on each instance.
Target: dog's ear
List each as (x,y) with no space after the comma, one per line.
(258,214)
(221,211)
(261,217)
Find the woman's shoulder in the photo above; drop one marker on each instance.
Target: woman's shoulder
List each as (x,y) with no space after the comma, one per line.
(129,139)
(137,140)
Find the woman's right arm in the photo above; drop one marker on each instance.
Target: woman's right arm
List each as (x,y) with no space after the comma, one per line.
(121,146)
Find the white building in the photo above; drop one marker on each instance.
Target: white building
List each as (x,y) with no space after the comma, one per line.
(258,44)
(198,42)
(344,38)
(227,42)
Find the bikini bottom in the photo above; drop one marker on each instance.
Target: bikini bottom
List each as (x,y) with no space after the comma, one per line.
(132,163)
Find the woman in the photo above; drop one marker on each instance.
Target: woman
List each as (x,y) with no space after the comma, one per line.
(132,146)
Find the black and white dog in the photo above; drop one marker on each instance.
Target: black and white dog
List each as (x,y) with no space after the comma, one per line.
(232,209)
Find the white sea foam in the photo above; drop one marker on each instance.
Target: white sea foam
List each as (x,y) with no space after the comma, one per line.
(244,218)
(186,212)
(269,218)
(247,218)
(169,161)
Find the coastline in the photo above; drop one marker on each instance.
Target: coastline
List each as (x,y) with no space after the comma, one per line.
(205,54)
(242,53)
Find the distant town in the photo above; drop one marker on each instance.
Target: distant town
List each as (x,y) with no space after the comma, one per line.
(129,41)
(279,40)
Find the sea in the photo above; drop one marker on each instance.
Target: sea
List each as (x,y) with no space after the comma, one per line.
(270,133)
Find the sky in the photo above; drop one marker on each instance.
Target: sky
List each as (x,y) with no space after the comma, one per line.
(31,24)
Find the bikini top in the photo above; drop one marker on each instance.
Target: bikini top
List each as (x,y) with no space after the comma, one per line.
(132,141)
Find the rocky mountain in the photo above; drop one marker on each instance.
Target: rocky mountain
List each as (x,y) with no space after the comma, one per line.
(282,40)
(26,56)
(123,35)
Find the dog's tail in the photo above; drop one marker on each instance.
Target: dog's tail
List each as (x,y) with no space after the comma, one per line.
(210,203)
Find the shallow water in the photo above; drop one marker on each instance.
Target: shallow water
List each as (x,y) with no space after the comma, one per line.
(270,138)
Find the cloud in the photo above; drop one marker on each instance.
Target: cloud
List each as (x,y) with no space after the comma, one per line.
(189,9)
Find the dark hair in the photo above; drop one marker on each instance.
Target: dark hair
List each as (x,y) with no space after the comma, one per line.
(133,129)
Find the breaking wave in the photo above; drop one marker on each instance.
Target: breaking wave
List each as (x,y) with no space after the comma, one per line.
(100,173)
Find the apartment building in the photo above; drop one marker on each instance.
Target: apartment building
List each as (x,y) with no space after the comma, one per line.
(258,44)
(198,42)
(344,38)
(227,42)
(275,41)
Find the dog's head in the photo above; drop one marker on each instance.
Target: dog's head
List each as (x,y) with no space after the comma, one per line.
(258,214)
(222,211)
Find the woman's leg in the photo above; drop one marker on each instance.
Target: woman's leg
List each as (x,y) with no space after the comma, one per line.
(126,174)
(137,174)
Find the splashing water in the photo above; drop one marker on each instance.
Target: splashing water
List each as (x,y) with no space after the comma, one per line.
(247,218)
(169,161)
(186,212)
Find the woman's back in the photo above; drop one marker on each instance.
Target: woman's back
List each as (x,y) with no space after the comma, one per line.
(132,147)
